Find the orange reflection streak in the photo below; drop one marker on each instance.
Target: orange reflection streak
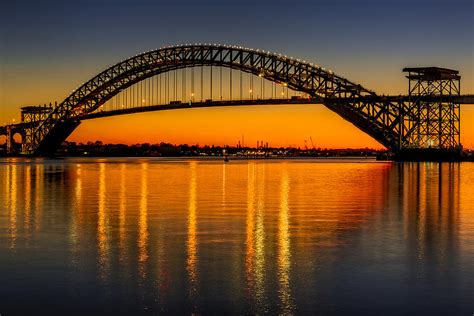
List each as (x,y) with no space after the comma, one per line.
(122,208)
(78,189)
(260,242)
(191,262)
(421,216)
(143,222)
(73,233)
(7,187)
(27,199)
(431,195)
(465,203)
(13,205)
(284,253)
(102,237)
(162,269)
(250,223)
(223,184)
(78,192)
(38,192)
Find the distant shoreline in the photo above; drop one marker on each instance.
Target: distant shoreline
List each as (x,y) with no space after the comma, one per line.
(216,158)
(263,151)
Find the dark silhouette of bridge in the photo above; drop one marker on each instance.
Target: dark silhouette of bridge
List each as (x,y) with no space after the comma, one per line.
(422,124)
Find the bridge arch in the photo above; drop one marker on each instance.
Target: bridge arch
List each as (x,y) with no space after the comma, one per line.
(297,75)
(372,118)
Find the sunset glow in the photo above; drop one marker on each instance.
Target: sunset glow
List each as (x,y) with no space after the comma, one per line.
(38,73)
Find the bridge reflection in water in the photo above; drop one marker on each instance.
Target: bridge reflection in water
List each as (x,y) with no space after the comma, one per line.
(249,237)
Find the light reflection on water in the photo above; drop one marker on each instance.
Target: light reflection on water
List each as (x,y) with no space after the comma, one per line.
(155,235)
(284,254)
(191,260)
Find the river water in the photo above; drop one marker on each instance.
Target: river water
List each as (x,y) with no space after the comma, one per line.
(132,235)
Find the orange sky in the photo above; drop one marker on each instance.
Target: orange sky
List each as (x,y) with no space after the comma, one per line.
(280,125)
(49,48)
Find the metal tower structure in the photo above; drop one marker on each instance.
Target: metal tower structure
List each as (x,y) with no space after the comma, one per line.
(33,115)
(432,113)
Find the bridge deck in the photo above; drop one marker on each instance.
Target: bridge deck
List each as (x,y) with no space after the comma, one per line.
(201,104)
(463,99)
(466,99)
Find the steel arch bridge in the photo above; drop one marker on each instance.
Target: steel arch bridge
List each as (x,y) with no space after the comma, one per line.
(393,121)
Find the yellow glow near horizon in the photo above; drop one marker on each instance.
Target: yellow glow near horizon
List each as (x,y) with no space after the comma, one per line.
(279,125)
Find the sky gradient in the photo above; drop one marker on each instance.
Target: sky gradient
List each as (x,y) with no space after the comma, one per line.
(48,48)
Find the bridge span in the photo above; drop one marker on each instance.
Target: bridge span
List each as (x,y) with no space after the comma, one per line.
(424,122)
(467,99)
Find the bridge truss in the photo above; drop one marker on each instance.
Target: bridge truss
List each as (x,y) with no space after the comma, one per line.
(394,122)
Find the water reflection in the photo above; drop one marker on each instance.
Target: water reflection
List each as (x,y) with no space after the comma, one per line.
(102,236)
(282,237)
(255,237)
(39,169)
(74,230)
(260,242)
(191,261)
(223,184)
(12,195)
(250,235)
(122,209)
(431,204)
(7,187)
(143,223)
(27,200)
(78,190)
(284,251)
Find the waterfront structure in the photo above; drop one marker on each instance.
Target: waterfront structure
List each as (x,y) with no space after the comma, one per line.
(421,125)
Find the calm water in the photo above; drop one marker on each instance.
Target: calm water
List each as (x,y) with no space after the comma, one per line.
(246,237)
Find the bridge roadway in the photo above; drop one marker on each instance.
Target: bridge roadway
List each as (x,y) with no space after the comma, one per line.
(175,105)
(201,104)
(467,99)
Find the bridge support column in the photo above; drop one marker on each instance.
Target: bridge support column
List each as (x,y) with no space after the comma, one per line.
(431,118)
